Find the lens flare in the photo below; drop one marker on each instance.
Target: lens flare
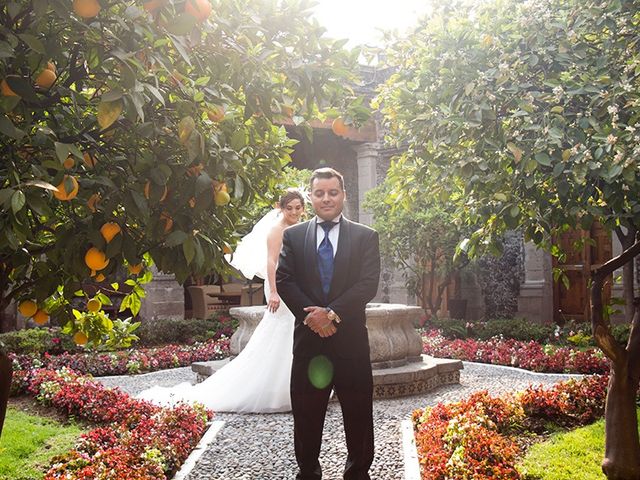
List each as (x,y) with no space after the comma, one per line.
(320,371)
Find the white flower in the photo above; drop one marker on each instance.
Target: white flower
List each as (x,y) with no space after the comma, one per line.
(612,139)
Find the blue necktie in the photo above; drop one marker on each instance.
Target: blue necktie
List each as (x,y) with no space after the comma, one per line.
(325,258)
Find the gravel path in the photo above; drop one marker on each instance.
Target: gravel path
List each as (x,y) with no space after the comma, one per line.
(260,447)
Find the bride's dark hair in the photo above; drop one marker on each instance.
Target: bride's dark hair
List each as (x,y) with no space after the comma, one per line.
(289,195)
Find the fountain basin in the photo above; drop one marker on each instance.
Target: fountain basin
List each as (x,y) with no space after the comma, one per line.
(399,368)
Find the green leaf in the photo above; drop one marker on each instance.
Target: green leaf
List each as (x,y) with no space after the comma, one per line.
(5,196)
(33,42)
(180,48)
(18,201)
(62,151)
(238,140)
(23,87)
(108,112)
(543,159)
(558,169)
(189,250)
(112,95)
(203,183)
(8,128)
(177,237)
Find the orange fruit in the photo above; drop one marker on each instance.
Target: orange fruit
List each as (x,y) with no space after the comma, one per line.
(86,8)
(339,127)
(94,305)
(41,317)
(89,160)
(62,194)
(167,220)
(51,66)
(227,249)
(148,191)
(134,269)
(109,230)
(199,9)
(216,113)
(5,90)
(27,308)
(92,203)
(100,277)
(46,78)
(95,259)
(221,198)
(80,338)
(69,163)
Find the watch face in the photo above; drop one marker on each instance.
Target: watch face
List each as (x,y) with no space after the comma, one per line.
(331,315)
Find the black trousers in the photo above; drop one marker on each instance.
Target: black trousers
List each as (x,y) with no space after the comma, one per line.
(353,383)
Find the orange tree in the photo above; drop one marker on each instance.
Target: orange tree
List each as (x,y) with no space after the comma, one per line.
(535,108)
(135,132)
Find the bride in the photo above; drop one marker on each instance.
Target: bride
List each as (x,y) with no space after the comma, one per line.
(257,380)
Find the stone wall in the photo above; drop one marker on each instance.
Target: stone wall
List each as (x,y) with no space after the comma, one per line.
(164,298)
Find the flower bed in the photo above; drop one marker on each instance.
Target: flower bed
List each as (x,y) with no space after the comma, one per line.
(122,362)
(528,355)
(475,438)
(135,439)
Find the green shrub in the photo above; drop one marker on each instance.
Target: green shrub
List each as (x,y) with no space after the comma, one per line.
(37,341)
(450,327)
(185,331)
(516,328)
(621,332)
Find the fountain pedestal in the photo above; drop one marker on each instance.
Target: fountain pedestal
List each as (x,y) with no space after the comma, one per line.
(399,368)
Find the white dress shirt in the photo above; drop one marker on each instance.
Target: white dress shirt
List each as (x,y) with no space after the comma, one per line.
(334,233)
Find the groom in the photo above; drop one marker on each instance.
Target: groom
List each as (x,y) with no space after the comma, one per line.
(328,270)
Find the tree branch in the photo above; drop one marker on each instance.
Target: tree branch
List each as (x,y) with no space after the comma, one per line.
(601,330)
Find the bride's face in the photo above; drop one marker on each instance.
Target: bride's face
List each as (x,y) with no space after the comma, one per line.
(292,211)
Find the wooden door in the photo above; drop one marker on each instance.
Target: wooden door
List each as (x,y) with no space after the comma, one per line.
(585,250)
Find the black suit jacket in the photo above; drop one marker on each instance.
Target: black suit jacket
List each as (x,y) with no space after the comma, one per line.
(355,282)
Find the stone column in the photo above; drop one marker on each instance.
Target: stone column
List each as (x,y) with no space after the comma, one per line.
(367,158)
(535,301)
(165,297)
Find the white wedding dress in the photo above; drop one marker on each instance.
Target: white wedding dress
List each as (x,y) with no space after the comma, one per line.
(257,380)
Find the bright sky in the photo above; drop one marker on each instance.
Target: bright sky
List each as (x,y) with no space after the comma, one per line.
(361,20)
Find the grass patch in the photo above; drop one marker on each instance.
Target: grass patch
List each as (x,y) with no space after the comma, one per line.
(567,456)
(29,442)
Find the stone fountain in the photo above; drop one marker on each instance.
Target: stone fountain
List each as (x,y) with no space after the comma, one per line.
(399,367)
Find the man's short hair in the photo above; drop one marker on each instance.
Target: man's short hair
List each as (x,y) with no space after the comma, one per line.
(326,173)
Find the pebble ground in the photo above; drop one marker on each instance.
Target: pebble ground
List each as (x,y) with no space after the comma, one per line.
(260,446)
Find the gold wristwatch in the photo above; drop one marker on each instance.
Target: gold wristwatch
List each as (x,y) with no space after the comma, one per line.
(333,316)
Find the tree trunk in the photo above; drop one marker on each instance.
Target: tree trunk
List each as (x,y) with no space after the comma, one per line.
(622,446)
(627,240)
(628,294)
(8,321)
(6,373)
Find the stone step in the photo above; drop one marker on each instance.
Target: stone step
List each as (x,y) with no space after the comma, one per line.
(410,379)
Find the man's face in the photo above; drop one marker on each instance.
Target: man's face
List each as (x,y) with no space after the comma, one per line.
(327,198)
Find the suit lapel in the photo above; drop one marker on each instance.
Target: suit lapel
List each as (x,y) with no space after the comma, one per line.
(311,259)
(341,260)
